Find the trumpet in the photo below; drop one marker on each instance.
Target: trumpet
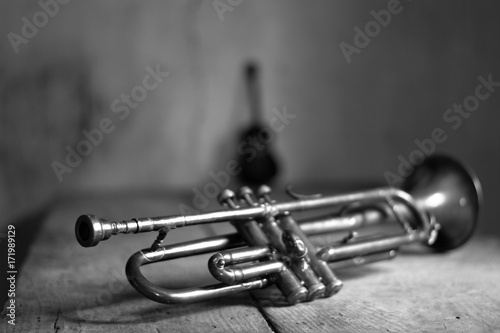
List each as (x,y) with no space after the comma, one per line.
(437,205)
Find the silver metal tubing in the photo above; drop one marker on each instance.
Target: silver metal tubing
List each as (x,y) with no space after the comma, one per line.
(220,264)
(254,235)
(301,265)
(187,295)
(351,221)
(90,230)
(438,205)
(386,243)
(229,277)
(320,267)
(360,260)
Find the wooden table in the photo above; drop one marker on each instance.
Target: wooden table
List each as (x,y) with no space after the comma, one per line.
(66,288)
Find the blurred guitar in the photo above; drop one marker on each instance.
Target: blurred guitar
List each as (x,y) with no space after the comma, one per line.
(258,165)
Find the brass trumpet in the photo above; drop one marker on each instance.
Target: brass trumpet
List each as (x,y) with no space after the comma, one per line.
(437,205)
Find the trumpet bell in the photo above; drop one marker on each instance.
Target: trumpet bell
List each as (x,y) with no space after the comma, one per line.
(451,193)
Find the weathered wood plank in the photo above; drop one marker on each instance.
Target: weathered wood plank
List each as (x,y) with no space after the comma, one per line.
(417,292)
(66,288)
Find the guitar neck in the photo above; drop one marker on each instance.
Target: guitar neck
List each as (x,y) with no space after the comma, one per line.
(253,90)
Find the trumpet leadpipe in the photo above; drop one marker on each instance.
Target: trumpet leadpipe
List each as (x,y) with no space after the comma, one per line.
(90,230)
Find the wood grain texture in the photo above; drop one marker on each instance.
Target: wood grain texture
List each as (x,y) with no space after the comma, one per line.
(416,292)
(66,288)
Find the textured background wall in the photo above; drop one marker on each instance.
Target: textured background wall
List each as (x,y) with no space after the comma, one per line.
(353,119)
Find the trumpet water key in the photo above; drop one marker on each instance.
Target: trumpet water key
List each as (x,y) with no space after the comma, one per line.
(437,205)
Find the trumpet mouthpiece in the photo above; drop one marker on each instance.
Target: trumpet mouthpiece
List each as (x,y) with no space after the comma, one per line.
(90,230)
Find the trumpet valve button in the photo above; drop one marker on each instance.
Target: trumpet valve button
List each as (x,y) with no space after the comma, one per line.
(263,189)
(227,197)
(246,194)
(264,192)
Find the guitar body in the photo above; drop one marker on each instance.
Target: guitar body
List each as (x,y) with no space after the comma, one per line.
(258,165)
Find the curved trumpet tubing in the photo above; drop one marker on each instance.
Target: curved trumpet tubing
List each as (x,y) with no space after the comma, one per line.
(438,206)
